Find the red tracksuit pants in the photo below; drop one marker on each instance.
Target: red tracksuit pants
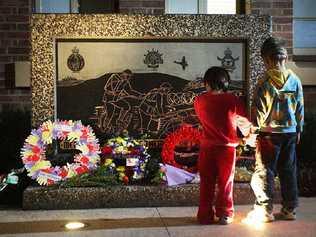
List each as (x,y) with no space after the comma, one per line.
(216,165)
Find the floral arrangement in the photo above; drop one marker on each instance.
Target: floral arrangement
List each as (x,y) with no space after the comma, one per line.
(126,157)
(184,134)
(34,158)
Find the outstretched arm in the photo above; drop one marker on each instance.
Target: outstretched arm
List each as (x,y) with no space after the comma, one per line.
(242,120)
(244,125)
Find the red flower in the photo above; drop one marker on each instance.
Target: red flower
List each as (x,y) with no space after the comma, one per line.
(81,169)
(33,158)
(84,160)
(36,149)
(125,179)
(50,182)
(63,173)
(91,147)
(106,150)
(84,132)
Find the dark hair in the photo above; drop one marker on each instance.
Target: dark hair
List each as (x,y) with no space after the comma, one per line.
(217,78)
(274,48)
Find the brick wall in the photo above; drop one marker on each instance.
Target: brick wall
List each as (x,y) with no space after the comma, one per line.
(14,46)
(282,14)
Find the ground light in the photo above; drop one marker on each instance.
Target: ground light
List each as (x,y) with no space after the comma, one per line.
(254,224)
(74,225)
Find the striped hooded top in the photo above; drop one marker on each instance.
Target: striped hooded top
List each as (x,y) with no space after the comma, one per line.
(278,103)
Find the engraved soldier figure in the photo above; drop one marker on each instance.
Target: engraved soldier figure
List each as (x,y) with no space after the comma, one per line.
(118,97)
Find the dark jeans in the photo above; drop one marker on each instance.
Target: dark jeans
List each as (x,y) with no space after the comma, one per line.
(275,155)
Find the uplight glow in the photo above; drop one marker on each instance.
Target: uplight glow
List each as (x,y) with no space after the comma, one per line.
(254,224)
(74,225)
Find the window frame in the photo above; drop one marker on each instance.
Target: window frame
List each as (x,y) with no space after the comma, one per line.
(302,54)
(202,7)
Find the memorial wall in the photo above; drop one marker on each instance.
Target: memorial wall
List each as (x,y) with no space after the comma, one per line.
(138,72)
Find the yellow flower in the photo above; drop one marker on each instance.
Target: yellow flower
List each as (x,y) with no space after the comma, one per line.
(47,137)
(32,140)
(47,128)
(108,162)
(42,164)
(119,149)
(120,169)
(121,141)
(48,125)
(41,180)
(74,135)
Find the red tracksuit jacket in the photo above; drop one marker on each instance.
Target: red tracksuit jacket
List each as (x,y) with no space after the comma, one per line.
(218,115)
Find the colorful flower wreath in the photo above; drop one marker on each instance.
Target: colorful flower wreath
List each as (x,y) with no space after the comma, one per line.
(34,158)
(127,157)
(184,134)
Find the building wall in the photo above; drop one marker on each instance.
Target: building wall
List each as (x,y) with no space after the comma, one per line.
(14,46)
(281,12)
(15,36)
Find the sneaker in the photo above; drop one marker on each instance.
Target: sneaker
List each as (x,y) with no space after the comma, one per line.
(259,214)
(286,214)
(225,220)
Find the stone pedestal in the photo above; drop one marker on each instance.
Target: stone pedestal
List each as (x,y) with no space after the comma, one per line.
(123,196)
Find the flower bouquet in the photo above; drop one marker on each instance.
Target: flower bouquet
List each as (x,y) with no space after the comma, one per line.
(127,157)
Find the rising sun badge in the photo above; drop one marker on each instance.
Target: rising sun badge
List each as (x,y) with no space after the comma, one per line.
(153,58)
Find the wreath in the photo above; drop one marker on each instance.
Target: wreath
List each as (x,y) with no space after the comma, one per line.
(33,152)
(127,157)
(186,136)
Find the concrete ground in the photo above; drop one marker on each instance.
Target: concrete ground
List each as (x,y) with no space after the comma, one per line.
(162,221)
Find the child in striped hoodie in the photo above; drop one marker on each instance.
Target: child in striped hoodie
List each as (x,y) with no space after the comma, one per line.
(279,116)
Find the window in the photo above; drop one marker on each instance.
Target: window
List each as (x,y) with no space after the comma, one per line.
(60,6)
(202,6)
(304,30)
(75,6)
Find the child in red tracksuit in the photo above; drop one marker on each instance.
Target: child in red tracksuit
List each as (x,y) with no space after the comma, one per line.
(218,112)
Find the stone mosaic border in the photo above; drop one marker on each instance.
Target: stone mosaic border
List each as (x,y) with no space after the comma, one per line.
(46,27)
(48,198)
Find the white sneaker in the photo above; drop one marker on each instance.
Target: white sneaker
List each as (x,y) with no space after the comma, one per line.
(225,220)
